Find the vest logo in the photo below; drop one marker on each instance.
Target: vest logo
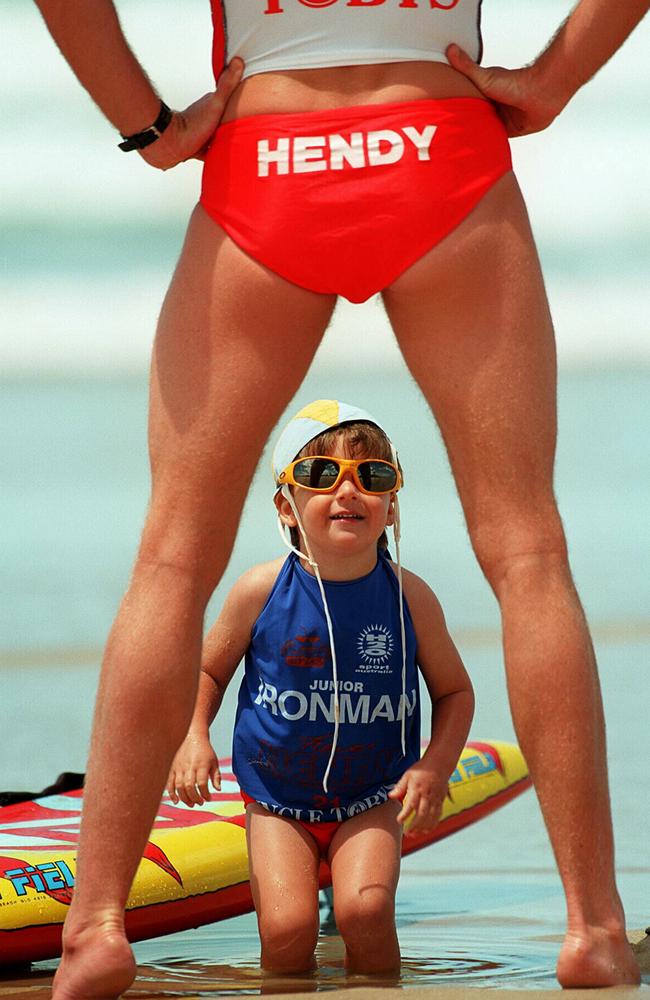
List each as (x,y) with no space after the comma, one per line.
(354,709)
(375,645)
(305,651)
(306,154)
(275,6)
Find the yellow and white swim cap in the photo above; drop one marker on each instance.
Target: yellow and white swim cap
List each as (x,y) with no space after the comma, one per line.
(314,419)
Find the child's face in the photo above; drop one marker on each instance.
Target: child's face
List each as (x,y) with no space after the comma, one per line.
(344,522)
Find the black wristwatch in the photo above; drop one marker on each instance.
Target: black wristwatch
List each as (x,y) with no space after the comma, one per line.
(148,135)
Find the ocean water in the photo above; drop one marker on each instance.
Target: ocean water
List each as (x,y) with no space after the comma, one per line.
(88,238)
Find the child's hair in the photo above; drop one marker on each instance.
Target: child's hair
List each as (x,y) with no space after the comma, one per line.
(361,440)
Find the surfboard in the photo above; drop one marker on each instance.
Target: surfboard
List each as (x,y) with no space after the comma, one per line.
(194,869)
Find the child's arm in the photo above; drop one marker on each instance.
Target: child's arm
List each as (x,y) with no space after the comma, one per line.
(422,789)
(195,762)
(224,646)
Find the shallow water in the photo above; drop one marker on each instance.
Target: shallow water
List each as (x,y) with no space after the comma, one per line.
(450,931)
(498,928)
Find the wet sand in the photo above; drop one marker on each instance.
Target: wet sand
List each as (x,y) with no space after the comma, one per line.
(37,986)
(40,992)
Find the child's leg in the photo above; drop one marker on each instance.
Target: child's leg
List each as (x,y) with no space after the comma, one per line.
(284,862)
(365,858)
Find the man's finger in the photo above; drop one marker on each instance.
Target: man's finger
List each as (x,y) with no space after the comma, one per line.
(459,59)
(229,79)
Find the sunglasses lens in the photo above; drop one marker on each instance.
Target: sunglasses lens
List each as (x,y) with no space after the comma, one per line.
(316,473)
(377,477)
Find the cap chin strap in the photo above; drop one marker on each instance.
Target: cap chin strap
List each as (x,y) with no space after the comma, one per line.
(286,493)
(309,558)
(400,584)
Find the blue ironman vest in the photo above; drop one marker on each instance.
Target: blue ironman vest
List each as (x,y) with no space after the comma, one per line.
(285,714)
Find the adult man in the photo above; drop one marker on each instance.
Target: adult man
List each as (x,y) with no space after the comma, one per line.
(472,320)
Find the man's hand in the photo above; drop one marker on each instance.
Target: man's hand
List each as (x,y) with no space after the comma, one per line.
(189,132)
(515,93)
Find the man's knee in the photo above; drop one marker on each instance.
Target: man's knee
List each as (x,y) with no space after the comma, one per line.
(520,551)
(191,560)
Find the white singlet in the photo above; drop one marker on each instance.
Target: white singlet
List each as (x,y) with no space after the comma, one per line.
(309,34)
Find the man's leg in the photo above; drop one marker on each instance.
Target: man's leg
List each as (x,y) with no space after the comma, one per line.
(233,344)
(474,326)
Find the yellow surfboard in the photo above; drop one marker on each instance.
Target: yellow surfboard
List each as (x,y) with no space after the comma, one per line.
(195,867)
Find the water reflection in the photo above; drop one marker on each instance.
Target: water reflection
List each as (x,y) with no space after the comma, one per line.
(479,966)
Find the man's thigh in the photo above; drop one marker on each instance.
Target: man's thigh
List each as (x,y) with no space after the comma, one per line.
(233,344)
(473,323)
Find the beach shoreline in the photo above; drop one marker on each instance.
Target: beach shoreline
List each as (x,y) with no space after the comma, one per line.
(37,986)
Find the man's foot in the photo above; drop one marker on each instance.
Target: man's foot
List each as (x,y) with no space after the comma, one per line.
(597,957)
(97,964)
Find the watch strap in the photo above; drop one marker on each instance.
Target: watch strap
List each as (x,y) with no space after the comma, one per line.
(139,140)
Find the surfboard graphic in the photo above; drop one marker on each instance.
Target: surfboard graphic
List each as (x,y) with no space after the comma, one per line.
(194,869)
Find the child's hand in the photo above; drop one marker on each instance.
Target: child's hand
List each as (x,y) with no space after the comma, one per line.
(422,794)
(193,766)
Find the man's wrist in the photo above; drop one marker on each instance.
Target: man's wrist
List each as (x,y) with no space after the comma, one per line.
(549,93)
(558,72)
(149,135)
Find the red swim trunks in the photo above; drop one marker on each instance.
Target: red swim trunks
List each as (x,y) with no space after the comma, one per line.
(342,202)
(323,833)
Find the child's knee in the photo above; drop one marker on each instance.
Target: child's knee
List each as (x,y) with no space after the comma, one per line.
(367,915)
(288,939)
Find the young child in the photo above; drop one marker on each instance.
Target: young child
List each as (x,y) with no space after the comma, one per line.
(326,744)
